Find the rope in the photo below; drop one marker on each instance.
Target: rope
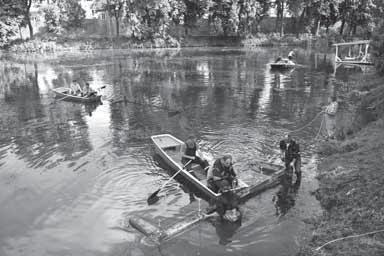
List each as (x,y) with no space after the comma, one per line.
(308,123)
(354,236)
(320,129)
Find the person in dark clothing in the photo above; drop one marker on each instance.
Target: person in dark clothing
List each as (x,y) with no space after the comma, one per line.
(290,154)
(228,201)
(221,169)
(191,149)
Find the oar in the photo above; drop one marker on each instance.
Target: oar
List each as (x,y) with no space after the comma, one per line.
(153,198)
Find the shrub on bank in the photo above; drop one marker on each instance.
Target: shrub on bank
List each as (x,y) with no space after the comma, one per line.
(274,39)
(50,43)
(377,45)
(36,45)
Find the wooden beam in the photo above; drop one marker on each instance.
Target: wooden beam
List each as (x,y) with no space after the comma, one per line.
(353,43)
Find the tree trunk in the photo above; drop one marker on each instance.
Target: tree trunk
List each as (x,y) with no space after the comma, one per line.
(296,26)
(277,22)
(342,26)
(20,34)
(354,29)
(117,27)
(317,28)
(282,19)
(29,26)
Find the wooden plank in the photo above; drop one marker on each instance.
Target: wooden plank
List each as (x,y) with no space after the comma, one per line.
(353,43)
(355,62)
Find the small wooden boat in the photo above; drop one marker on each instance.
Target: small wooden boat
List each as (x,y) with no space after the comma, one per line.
(250,182)
(63,94)
(281,65)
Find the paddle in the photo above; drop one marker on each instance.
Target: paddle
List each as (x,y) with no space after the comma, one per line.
(153,198)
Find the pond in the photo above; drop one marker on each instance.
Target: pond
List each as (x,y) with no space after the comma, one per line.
(72,174)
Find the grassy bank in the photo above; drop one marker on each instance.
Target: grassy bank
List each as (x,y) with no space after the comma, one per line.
(351,177)
(53,43)
(274,39)
(47,43)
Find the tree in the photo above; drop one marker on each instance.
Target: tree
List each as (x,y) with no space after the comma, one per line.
(192,11)
(251,13)
(356,13)
(153,18)
(52,18)
(25,6)
(280,6)
(115,9)
(10,20)
(377,46)
(72,14)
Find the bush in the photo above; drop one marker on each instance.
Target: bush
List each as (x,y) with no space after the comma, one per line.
(377,46)
(52,18)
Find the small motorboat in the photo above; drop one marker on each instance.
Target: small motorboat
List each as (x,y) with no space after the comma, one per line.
(63,93)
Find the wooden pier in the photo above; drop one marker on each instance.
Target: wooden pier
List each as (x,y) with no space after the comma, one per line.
(361,58)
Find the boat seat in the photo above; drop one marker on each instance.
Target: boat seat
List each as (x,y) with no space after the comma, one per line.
(199,173)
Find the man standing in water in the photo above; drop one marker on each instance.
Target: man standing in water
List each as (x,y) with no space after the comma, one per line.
(330,117)
(290,154)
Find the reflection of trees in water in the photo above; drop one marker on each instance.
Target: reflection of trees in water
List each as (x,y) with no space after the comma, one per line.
(19,81)
(59,131)
(40,131)
(224,90)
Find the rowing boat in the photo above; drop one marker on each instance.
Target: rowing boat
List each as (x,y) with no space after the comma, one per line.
(64,94)
(282,65)
(256,179)
(250,182)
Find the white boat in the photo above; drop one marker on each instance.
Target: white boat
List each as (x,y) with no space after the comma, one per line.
(250,182)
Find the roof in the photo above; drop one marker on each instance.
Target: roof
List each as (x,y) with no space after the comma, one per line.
(353,43)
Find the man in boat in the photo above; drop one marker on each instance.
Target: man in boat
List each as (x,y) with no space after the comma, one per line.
(75,88)
(88,91)
(290,154)
(221,170)
(191,148)
(291,55)
(288,60)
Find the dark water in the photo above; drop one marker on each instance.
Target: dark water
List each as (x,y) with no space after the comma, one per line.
(71,174)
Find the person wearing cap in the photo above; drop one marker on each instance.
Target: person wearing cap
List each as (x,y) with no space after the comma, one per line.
(290,154)
(222,169)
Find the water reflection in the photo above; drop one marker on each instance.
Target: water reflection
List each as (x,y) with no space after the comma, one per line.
(225,230)
(285,197)
(227,98)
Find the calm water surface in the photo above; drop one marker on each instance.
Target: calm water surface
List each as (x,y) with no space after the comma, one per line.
(71,175)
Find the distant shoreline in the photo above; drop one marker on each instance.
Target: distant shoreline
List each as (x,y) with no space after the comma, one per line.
(52,45)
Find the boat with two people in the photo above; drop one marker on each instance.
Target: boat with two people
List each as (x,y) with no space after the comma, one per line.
(284,63)
(77,94)
(258,177)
